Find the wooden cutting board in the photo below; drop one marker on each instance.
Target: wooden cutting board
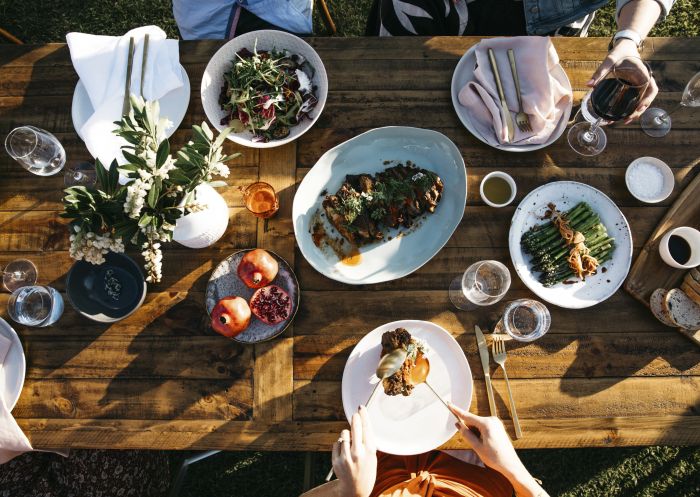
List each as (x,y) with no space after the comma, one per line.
(649,271)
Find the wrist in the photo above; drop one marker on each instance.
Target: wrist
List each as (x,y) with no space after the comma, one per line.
(625,44)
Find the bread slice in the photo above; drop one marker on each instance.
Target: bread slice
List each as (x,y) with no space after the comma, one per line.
(694,273)
(691,288)
(656,303)
(682,310)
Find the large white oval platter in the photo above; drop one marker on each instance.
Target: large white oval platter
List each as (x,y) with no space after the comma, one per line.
(366,153)
(419,422)
(565,195)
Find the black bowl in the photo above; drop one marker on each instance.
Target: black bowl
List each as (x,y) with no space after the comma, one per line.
(108,292)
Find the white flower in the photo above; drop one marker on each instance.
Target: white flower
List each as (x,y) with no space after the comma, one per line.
(154,258)
(92,247)
(135,196)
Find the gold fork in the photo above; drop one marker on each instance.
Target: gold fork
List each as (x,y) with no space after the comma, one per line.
(521,118)
(498,350)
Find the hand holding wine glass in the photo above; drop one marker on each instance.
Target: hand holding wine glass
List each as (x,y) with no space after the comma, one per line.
(615,97)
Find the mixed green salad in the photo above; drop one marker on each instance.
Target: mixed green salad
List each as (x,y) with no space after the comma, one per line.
(267,93)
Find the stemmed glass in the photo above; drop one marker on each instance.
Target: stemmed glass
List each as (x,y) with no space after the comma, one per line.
(483,283)
(19,273)
(656,122)
(614,98)
(82,173)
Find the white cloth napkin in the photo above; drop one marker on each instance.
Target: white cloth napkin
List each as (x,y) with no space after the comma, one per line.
(13,442)
(545,98)
(101,63)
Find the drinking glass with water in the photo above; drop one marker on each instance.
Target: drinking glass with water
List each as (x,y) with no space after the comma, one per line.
(37,150)
(524,320)
(483,283)
(35,305)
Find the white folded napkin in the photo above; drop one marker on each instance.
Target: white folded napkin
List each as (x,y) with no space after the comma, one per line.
(13,442)
(545,98)
(101,62)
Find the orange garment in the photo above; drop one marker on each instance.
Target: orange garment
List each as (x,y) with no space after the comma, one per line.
(435,474)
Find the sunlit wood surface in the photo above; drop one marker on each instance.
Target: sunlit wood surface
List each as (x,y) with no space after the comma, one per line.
(607,376)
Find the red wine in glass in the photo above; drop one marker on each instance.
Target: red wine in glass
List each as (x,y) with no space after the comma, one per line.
(614,99)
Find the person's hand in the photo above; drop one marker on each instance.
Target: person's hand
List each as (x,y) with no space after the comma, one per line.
(489,439)
(625,48)
(355,457)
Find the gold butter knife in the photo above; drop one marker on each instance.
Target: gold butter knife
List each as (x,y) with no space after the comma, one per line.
(484,354)
(501,95)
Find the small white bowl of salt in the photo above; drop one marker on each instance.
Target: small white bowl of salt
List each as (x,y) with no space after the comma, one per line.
(649,179)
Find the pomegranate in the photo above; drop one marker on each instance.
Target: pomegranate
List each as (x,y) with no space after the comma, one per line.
(230,316)
(257,268)
(271,304)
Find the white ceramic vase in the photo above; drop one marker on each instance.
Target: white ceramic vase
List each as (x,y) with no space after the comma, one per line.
(204,228)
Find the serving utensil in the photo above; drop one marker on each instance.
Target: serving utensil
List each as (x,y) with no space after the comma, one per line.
(521,119)
(127,82)
(498,349)
(144,59)
(502,97)
(484,354)
(388,365)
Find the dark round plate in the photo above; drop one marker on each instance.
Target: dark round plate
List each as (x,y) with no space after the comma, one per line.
(108,292)
(224,281)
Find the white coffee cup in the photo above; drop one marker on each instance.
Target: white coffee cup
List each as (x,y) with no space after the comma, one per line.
(498,174)
(690,235)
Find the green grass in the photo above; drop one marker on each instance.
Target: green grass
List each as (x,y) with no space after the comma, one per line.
(41,21)
(638,472)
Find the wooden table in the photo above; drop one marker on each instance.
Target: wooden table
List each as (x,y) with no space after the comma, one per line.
(608,376)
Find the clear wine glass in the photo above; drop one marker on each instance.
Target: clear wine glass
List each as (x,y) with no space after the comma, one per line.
(615,97)
(524,320)
(35,306)
(483,283)
(80,174)
(19,273)
(657,122)
(37,150)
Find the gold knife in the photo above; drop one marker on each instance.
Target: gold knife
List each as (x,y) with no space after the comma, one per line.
(484,354)
(504,106)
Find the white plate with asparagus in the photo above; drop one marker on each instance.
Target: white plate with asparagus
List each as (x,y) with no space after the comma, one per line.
(570,244)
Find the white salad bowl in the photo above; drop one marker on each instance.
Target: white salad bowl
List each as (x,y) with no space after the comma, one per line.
(213,81)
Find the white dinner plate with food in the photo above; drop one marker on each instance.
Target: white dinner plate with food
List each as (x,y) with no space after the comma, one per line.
(222,61)
(401,250)
(572,293)
(464,73)
(419,422)
(173,105)
(12,369)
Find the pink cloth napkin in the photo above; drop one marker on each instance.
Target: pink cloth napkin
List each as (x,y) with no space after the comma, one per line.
(545,98)
(13,442)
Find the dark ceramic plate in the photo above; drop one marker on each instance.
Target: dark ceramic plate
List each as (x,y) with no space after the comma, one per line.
(108,292)
(224,281)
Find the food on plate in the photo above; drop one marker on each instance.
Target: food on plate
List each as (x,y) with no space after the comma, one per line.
(570,244)
(267,93)
(271,304)
(658,308)
(367,204)
(401,382)
(682,310)
(257,268)
(231,316)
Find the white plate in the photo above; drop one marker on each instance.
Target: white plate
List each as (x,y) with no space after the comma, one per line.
(213,80)
(420,422)
(173,105)
(384,261)
(13,368)
(464,73)
(565,195)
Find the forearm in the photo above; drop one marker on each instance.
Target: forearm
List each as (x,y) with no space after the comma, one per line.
(523,483)
(639,15)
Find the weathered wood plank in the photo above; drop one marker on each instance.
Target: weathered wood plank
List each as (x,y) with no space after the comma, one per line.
(559,355)
(121,398)
(351,313)
(540,398)
(273,360)
(612,431)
